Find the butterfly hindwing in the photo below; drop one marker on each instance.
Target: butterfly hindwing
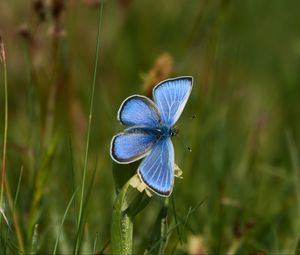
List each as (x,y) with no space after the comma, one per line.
(157,169)
(171,96)
(131,145)
(139,111)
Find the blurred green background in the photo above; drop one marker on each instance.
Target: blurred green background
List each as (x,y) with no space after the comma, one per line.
(244,165)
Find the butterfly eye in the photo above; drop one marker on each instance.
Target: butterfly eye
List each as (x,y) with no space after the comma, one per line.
(174,132)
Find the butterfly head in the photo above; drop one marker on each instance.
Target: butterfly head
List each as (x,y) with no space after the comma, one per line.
(174,131)
(167,132)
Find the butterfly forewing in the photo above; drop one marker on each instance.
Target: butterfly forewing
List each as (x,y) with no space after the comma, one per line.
(171,96)
(139,111)
(157,169)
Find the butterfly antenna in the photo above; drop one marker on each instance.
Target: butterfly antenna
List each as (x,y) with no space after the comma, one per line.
(181,140)
(184,144)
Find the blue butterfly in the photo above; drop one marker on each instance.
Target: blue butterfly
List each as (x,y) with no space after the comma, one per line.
(149,131)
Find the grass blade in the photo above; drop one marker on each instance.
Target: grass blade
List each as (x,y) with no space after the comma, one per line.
(3,174)
(297,250)
(89,127)
(79,233)
(62,221)
(175,218)
(95,244)
(34,240)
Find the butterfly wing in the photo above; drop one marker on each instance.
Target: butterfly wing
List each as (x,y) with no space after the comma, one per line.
(157,169)
(131,145)
(171,96)
(139,111)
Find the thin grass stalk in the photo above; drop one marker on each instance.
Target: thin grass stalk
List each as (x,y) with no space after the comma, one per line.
(62,222)
(176,220)
(3,174)
(89,123)
(95,244)
(34,240)
(106,244)
(297,250)
(18,189)
(15,215)
(79,233)
(182,222)
(11,204)
(295,166)
(73,178)
(164,228)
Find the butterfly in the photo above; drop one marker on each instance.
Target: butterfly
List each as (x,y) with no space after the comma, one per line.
(149,128)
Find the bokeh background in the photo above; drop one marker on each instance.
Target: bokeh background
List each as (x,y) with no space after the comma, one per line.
(240,191)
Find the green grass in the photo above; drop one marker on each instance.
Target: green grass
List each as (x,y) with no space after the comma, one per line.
(240,188)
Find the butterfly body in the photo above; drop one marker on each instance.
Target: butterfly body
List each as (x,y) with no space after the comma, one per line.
(164,132)
(159,132)
(149,131)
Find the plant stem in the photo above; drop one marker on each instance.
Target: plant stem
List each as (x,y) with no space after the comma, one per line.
(3,59)
(15,217)
(62,222)
(121,225)
(89,125)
